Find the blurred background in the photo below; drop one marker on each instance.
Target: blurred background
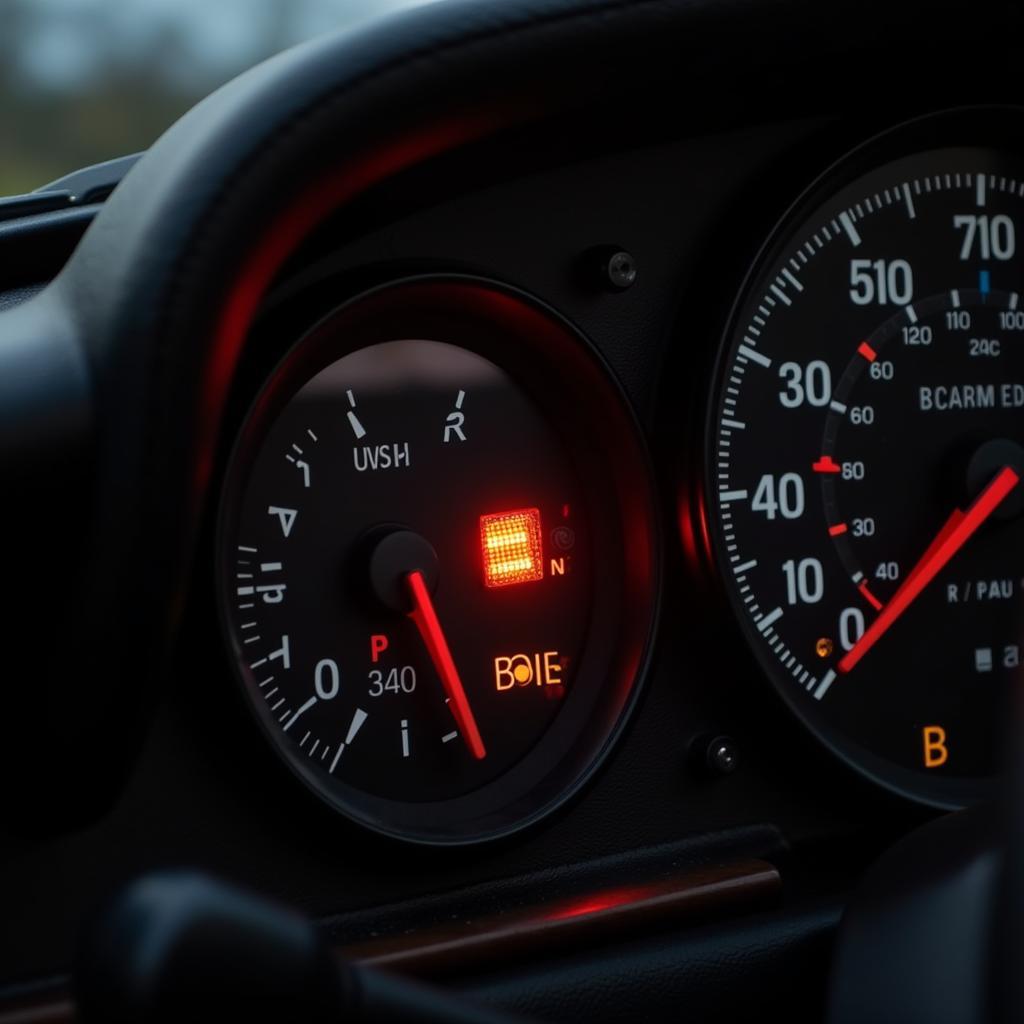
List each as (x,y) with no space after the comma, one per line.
(86,80)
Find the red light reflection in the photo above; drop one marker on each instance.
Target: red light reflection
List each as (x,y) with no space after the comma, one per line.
(597,904)
(693,527)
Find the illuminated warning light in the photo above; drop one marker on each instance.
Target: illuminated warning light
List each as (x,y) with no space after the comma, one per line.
(543,668)
(824,647)
(511,546)
(936,751)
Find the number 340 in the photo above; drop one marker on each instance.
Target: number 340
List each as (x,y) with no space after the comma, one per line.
(395,680)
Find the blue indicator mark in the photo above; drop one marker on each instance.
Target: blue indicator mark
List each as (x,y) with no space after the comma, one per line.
(983,283)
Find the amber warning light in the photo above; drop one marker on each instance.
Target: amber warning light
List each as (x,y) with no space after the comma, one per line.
(511,545)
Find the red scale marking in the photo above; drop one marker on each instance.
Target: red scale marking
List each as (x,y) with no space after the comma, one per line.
(837,530)
(869,597)
(826,464)
(867,352)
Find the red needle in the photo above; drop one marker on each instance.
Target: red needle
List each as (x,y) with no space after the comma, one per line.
(425,617)
(956,531)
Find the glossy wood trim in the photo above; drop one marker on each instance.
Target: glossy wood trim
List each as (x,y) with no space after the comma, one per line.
(574,923)
(51,1009)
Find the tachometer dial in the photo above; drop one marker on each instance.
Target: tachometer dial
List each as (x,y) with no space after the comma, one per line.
(866,456)
(437,564)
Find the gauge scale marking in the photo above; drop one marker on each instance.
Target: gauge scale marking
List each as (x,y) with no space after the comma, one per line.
(867,452)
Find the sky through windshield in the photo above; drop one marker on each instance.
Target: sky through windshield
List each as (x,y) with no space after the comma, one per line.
(86,80)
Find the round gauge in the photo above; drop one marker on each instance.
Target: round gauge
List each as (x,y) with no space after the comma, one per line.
(866,453)
(437,560)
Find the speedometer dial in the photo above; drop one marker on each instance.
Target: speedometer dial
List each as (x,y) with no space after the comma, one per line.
(867,449)
(438,565)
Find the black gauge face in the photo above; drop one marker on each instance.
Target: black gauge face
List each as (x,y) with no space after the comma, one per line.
(416,575)
(866,450)
(335,664)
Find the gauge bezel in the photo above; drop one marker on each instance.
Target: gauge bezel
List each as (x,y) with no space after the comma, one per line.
(605,445)
(983,126)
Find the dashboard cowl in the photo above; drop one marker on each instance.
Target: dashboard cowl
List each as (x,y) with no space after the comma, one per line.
(154,305)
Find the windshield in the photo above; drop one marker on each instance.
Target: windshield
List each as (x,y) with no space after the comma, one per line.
(83,81)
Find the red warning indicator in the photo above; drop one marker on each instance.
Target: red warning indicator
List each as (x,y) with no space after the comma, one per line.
(511,547)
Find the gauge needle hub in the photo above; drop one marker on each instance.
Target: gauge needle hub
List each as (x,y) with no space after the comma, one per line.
(425,617)
(955,532)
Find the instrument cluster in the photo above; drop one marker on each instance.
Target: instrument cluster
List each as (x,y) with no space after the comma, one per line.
(440,541)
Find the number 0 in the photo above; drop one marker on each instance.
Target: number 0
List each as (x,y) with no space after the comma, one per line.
(327,679)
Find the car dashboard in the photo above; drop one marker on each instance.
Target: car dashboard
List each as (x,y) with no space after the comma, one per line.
(531,487)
